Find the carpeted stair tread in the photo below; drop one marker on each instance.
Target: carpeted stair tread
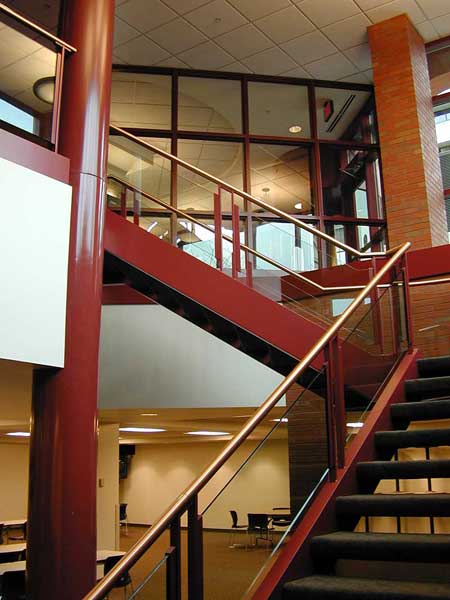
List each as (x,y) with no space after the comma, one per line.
(430,387)
(351,588)
(425,410)
(406,469)
(386,505)
(414,438)
(414,547)
(433,367)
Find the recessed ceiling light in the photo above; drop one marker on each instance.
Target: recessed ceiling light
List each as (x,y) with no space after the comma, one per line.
(266,190)
(295,128)
(141,429)
(299,205)
(207,433)
(355,425)
(282,420)
(149,414)
(19,433)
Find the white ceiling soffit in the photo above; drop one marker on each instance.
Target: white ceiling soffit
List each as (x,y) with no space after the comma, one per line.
(321,39)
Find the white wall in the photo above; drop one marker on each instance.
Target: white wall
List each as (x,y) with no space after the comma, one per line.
(159,473)
(14,461)
(108,487)
(34,241)
(152,357)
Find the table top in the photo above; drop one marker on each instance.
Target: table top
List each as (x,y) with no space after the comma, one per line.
(16,523)
(5,548)
(102,555)
(17,565)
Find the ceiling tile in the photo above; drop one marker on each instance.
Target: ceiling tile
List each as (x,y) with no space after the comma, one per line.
(357,78)
(322,14)
(123,32)
(270,62)
(244,41)
(360,56)
(176,36)
(285,24)
(255,10)
(206,56)
(173,62)
(145,15)
(392,9)
(184,6)
(368,4)
(309,47)
(332,67)
(297,72)
(236,67)
(215,18)
(348,33)
(369,75)
(427,31)
(442,25)
(118,61)
(140,51)
(434,8)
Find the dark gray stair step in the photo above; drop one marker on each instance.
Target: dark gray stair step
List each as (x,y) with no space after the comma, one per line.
(434,367)
(430,387)
(414,547)
(369,472)
(414,438)
(425,410)
(350,588)
(391,505)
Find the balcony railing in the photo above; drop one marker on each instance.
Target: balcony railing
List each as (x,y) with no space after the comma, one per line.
(32,66)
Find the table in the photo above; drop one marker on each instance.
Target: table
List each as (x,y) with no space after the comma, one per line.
(7,548)
(102,555)
(16,523)
(17,565)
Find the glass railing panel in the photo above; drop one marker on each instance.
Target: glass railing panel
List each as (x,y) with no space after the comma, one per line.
(27,76)
(251,505)
(374,340)
(430,307)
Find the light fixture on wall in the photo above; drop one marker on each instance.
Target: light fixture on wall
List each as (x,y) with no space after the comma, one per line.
(44,89)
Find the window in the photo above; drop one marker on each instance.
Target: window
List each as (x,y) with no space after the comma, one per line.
(17,117)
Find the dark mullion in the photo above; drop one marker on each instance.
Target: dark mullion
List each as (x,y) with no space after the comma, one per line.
(317,177)
(174,166)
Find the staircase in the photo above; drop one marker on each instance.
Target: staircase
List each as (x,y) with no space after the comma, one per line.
(394,566)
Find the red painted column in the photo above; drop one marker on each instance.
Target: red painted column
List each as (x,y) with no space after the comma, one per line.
(63,464)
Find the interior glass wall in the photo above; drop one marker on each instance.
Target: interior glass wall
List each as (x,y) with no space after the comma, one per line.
(308,150)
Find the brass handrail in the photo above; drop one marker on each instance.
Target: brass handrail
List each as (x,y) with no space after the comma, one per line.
(187,216)
(249,197)
(21,19)
(183,501)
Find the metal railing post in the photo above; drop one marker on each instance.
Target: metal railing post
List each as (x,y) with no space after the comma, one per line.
(218,230)
(173,573)
(330,412)
(407,297)
(60,58)
(236,255)
(195,552)
(136,210)
(123,202)
(339,399)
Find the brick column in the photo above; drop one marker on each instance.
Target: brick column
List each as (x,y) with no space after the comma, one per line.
(411,170)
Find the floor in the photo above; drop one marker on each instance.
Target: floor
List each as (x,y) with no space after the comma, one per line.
(227,571)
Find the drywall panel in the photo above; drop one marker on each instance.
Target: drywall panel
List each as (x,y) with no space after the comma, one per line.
(151,357)
(34,243)
(107,487)
(14,464)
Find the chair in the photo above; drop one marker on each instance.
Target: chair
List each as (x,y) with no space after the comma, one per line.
(13,585)
(123,517)
(259,526)
(17,533)
(234,528)
(7,557)
(2,530)
(124,581)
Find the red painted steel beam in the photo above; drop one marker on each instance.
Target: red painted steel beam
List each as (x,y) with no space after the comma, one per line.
(61,553)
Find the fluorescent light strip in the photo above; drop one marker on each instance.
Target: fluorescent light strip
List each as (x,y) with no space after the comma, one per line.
(140,429)
(282,420)
(206,433)
(149,414)
(19,434)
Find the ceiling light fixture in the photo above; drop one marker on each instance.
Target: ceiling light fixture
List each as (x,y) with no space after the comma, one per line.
(207,433)
(44,89)
(295,129)
(19,433)
(149,414)
(299,205)
(141,429)
(355,425)
(282,420)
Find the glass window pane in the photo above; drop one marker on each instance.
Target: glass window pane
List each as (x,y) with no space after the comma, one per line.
(209,105)
(351,182)
(280,175)
(141,100)
(343,115)
(276,109)
(224,160)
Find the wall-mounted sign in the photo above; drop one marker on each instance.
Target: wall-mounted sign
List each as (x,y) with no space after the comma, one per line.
(328,110)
